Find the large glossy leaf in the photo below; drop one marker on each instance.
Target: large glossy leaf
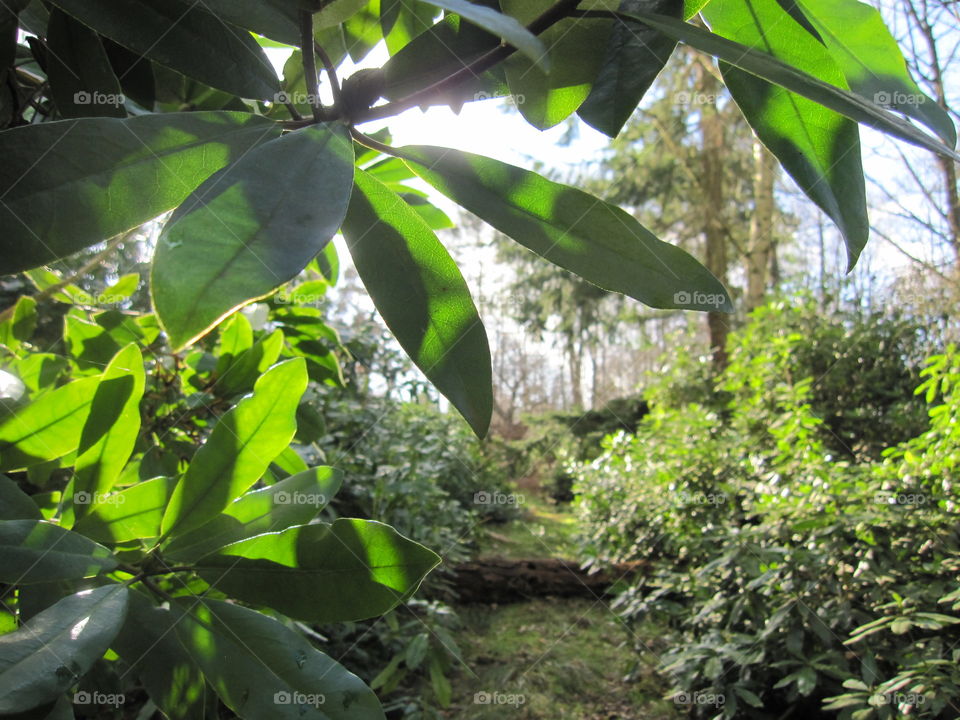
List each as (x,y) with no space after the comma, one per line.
(818,147)
(872,62)
(110,431)
(250,228)
(597,241)
(82,81)
(576,49)
(263,670)
(47,428)
(350,570)
(185,37)
(65,185)
(507,28)
(15,504)
(635,55)
(148,643)
(240,448)
(422,297)
(276,19)
(295,500)
(54,649)
(35,552)
(130,514)
(780,73)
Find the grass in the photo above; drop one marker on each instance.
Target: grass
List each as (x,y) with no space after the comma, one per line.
(543,530)
(551,658)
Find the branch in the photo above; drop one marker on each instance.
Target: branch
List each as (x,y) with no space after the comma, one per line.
(310,64)
(560,11)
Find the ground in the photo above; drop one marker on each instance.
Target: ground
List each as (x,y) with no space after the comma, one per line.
(556,658)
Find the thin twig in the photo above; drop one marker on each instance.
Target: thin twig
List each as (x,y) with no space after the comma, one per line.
(332,74)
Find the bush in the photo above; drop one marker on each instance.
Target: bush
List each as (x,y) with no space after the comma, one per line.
(791,575)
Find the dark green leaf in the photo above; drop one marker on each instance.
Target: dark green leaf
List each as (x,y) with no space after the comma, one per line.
(350,570)
(263,670)
(15,504)
(35,551)
(276,19)
(599,242)
(576,50)
(817,146)
(240,448)
(422,297)
(185,37)
(780,73)
(47,428)
(872,63)
(54,649)
(507,28)
(20,326)
(250,228)
(82,81)
(148,643)
(295,500)
(69,184)
(635,55)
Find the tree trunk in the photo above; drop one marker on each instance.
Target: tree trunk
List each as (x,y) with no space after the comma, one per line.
(761,245)
(711,131)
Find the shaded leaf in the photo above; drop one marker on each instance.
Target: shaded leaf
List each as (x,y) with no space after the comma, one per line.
(250,228)
(350,570)
(422,297)
(596,240)
(74,183)
(15,504)
(37,552)
(261,669)
(50,653)
(130,514)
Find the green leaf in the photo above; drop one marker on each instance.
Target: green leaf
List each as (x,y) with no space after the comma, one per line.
(576,51)
(250,228)
(110,432)
(275,19)
(35,551)
(335,12)
(130,514)
(295,500)
(635,55)
(507,28)
(350,570)
(240,448)
(872,62)
(90,345)
(818,147)
(47,428)
(596,240)
(185,37)
(403,22)
(20,326)
(148,643)
(15,504)
(263,670)
(240,375)
(50,653)
(39,371)
(418,289)
(780,73)
(69,184)
(82,82)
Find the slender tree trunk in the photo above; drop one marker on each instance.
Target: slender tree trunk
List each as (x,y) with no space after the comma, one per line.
(762,245)
(711,130)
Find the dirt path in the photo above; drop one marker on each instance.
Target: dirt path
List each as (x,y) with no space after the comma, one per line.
(562,658)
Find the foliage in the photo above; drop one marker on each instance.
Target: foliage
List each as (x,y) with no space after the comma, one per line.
(790,576)
(156,447)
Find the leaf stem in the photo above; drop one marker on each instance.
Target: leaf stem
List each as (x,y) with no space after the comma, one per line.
(310,65)
(369,142)
(332,74)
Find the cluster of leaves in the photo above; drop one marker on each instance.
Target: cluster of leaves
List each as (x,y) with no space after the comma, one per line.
(161,531)
(119,114)
(789,577)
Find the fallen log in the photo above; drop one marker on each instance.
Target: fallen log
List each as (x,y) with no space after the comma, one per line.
(507,580)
